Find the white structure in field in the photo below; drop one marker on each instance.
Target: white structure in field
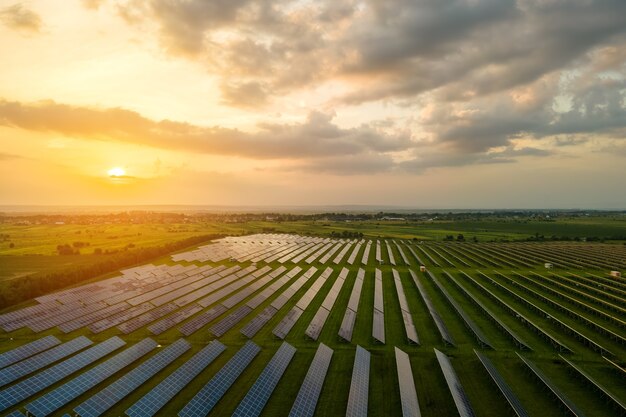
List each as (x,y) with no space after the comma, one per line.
(616,274)
(548,265)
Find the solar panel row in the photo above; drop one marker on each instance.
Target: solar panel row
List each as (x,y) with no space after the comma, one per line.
(201,320)
(42,380)
(469,323)
(82,321)
(175,318)
(99,403)
(441,326)
(461,401)
(409,326)
(359,386)
(503,326)
(378,323)
(504,388)
(317,323)
(556,392)
(204,401)
(57,398)
(258,395)
(29,349)
(42,359)
(408,395)
(311,388)
(146,318)
(160,395)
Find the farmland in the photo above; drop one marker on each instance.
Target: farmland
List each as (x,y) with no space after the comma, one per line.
(492,297)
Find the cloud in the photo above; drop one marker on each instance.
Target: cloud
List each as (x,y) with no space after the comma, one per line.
(316,137)
(21,19)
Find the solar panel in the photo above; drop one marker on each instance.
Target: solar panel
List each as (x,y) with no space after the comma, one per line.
(378,291)
(160,395)
(38,382)
(378,326)
(469,323)
(284,327)
(55,399)
(311,387)
(556,392)
(257,323)
(359,386)
(41,360)
(93,317)
(29,349)
(347,325)
(230,321)
(16,413)
(317,323)
(175,318)
(147,318)
(409,326)
(256,398)
(99,403)
(441,326)
(201,320)
(204,401)
(461,401)
(408,395)
(504,388)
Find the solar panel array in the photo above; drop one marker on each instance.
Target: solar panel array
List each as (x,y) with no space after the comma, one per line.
(408,395)
(461,401)
(366,252)
(311,388)
(556,392)
(493,317)
(317,323)
(392,259)
(99,403)
(204,401)
(29,349)
(409,326)
(256,398)
(359,386)
(42,359)
(441,326)
(469,323)
(57,398)
(174,319)
(284,327)
(201,320)
(42,380)
(378,324)
(160,395)
(347,324)
(504,388)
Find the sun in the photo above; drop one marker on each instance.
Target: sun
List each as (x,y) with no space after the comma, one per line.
(116,172)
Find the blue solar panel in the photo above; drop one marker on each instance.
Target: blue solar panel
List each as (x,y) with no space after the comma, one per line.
(214,390)
(99,403)
(16,413)
(29,349)
(306,401)
(38,382)
(359,387)
(255,400)
(53,400)
(160,395)
(41,360)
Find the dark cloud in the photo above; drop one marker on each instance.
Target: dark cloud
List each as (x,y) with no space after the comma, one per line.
(315,137)
(20,18)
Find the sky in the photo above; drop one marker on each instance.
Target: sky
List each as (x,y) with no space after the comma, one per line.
(412,103)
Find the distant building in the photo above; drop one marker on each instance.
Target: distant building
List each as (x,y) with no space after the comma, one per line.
(616,274)
(548,265)
(398,219)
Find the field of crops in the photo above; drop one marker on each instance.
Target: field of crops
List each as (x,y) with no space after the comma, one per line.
(493,309)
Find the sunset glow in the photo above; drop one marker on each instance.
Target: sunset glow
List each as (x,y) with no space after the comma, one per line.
(116,172)
(458,103)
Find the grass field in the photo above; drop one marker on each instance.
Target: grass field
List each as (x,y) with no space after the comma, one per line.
(434,397)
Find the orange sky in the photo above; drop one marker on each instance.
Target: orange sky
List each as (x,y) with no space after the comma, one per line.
(458,103)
